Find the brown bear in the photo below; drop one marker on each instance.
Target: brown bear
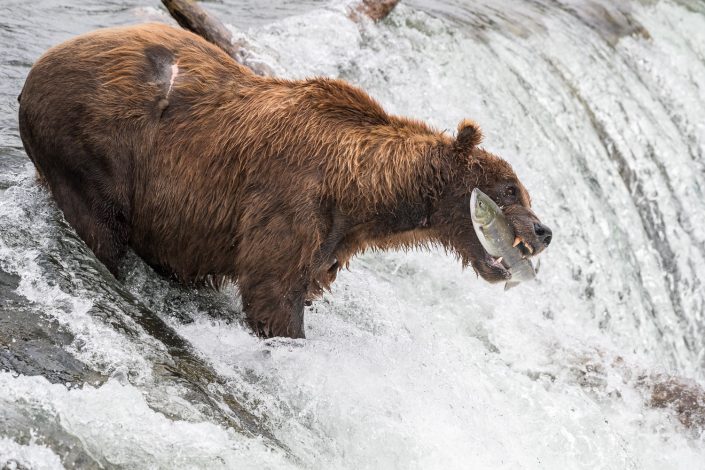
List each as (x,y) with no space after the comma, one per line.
(150,137)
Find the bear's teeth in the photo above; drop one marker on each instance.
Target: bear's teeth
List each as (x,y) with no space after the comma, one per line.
(528,247)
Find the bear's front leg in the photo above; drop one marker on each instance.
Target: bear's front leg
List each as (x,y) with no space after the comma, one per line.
(273,307)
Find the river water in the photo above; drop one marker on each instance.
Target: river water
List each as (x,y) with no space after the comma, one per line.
(410,362)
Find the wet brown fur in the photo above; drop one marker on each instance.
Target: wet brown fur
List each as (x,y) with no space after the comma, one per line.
(225,175)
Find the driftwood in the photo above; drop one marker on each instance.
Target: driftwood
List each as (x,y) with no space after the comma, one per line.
(191,16)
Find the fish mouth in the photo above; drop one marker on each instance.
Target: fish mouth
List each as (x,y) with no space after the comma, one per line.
(497,262)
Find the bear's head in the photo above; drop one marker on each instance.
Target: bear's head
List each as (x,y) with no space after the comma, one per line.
(476,167)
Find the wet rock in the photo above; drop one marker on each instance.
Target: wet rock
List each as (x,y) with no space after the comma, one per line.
(43,427)
(376,10)
(31,344)
(685,397)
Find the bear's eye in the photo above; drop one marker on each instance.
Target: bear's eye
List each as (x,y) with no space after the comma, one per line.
(510,192)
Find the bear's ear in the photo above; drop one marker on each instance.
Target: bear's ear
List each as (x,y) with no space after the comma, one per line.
(469,135)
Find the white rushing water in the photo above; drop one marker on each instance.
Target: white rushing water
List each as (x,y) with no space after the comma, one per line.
(411,362)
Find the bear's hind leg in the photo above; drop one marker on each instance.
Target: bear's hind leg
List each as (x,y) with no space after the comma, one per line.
(102,224)
(89,175)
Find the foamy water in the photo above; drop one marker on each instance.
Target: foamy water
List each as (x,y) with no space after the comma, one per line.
(411,362)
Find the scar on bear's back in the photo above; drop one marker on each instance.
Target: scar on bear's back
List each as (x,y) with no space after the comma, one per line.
(162,69)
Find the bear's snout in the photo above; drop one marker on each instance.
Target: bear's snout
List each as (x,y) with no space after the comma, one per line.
(543,233)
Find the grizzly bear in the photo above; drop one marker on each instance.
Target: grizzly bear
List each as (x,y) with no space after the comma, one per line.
(150,137)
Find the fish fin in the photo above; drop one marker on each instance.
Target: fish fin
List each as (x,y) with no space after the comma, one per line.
(510,284)
(538,266)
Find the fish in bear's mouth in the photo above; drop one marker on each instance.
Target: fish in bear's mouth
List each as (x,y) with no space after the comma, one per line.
(501,232)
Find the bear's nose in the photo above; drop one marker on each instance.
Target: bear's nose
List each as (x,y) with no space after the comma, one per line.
(544,233)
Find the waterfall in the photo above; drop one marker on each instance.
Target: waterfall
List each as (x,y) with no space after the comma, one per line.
(410,362)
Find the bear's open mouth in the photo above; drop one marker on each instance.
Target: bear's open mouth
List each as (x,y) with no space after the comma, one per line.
(520,244)
(524,247)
